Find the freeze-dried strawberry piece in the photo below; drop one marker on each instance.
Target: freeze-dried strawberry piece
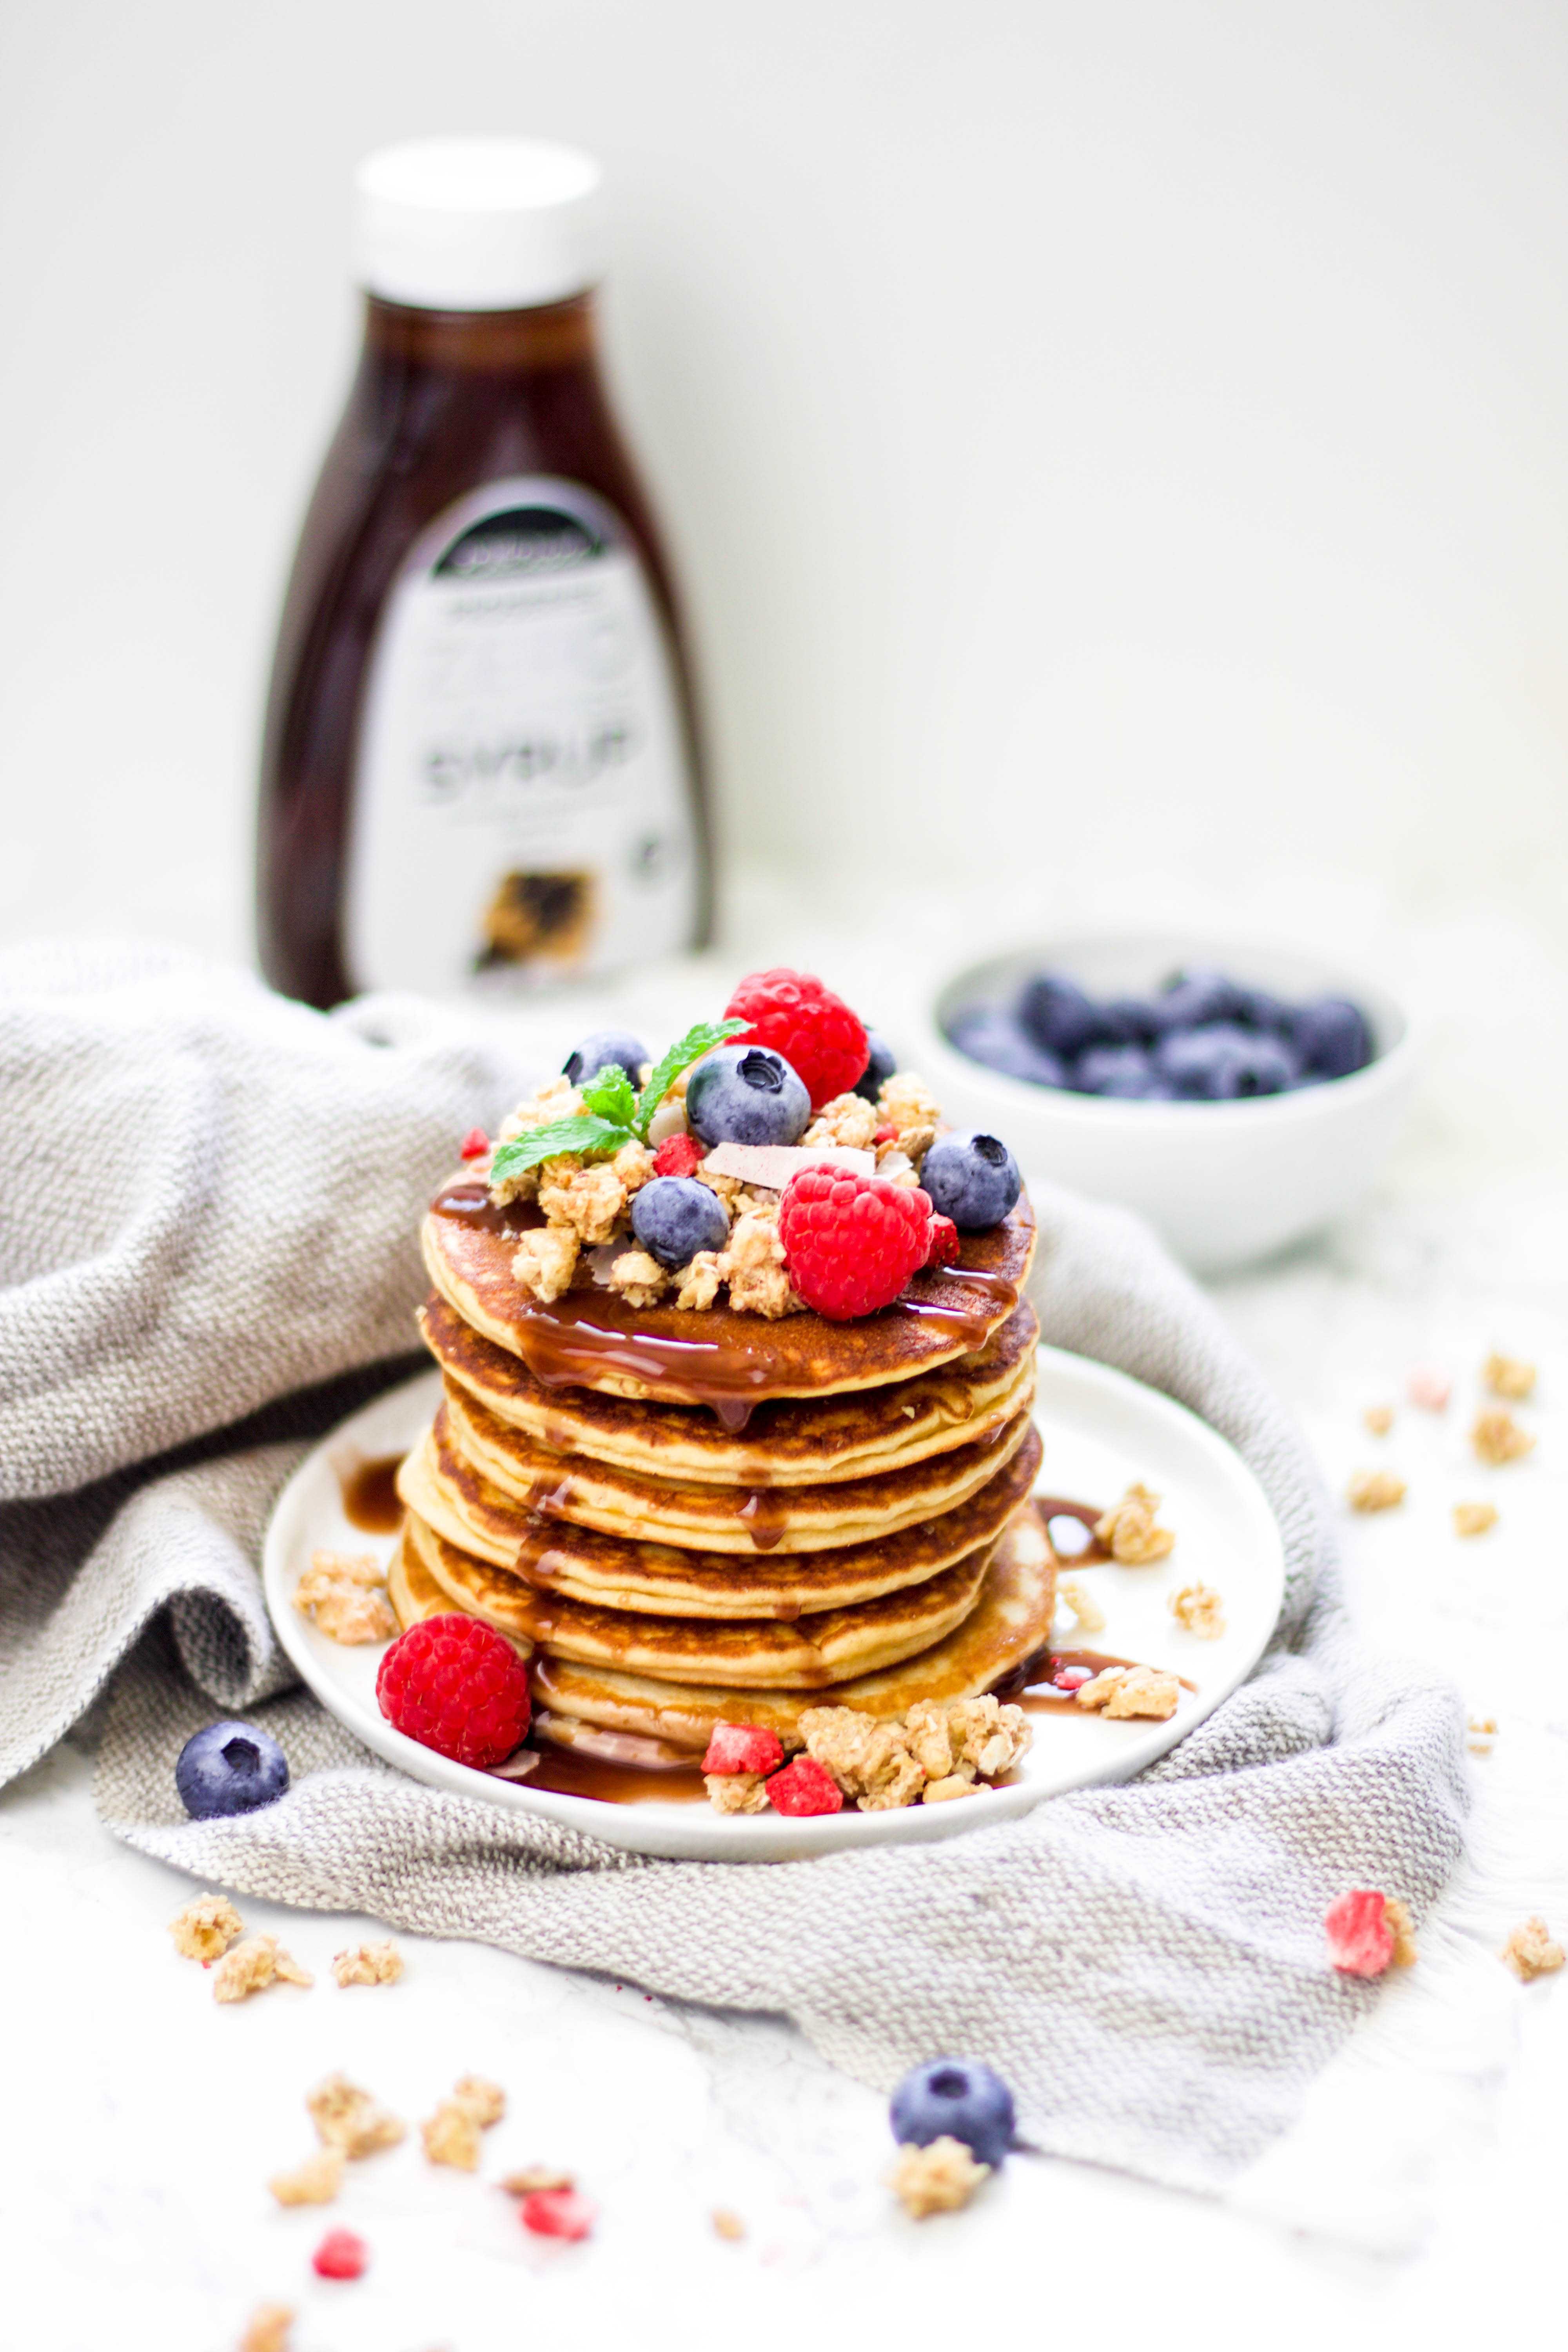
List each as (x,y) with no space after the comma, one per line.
(742,1747)
(887,1133)
(1361,1941)
(557,2213)
(943,1250)
(678,1155)
(803,1788)
(475,1144)
(341,2255)
(1071,1678)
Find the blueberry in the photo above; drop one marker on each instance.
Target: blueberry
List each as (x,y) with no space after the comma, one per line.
(878,1069)
(747,1094)
(1124,1072)
(676,1216)
(972,1178)
(994,1038)
(954,2098)
(1256,1009)
(1222,1064)
(229,1767)
(1059,1015)
(1331,1037)
(1129,1021)
(605,1049)
(1196,995)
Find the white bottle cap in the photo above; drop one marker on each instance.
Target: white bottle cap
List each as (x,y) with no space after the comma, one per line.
(477,224)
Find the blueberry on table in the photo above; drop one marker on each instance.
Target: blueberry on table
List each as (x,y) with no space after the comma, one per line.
(605,1049)
(229,1767)
(1224,1064)
(1123,1072)
(954,2098)
(972,1178)
(878,1069)
(995,1040)
(676,1216)
(1057,1014)
(747,1094)
(1331,1037)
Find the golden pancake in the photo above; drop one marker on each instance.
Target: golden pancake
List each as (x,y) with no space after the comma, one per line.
(758,1653)
(1010,1620)
(414,1594)
(607,1571)
(592,1339)
(588,1494)
(805,1440)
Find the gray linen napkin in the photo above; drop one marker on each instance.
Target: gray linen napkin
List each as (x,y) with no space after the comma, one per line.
(1144,1963)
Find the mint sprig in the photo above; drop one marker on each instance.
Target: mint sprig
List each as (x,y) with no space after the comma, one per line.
(697,1042)
(614,1115)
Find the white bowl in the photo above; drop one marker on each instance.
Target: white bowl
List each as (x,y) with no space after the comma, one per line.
(1224,1183)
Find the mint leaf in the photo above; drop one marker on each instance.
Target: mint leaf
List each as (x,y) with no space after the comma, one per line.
(591,1138)
(609,1094)
(692,1046)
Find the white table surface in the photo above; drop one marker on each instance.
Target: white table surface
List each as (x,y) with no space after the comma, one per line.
(142,2120)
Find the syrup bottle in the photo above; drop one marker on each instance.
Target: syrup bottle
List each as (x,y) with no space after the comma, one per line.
(479,767)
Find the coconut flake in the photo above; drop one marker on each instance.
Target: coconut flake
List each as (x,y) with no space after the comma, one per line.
(770,1166)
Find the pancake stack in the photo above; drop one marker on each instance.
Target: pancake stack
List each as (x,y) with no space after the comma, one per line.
(694,1518)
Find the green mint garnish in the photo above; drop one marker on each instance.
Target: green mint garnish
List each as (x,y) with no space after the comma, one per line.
(585,1137)
(692,1046)
(609,1095)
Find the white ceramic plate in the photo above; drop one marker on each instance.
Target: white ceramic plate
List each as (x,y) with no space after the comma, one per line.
(1101,1431)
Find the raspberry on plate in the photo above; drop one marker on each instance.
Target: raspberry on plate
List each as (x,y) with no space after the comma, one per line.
(814,1031)
(341,2255)
(851,1242)
(457,1685)
(1361,1941)
(742,1747)
(944,1244)
(803,1788)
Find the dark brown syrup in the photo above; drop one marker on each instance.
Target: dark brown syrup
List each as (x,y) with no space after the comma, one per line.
(618,1768)
(370,1496)
(1088,1514)
(765,1515)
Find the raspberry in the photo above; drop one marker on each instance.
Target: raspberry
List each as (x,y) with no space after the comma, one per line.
(475,1144)
(557,2213)
(887,1134)
(819,1037)
(742,1747)
(851,1242)
(341,2255)
(678,1155)
(943,1250)
(804,1788)
(1361,1941)
(457,1685)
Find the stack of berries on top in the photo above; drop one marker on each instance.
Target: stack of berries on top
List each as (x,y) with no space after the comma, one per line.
(778,1155)
(1204,1037)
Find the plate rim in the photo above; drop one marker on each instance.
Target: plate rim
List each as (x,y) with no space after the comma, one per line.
(670,1831)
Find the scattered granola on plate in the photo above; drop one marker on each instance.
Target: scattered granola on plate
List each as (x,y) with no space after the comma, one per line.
(1129,1529)
(1199,1608)
(1132,1691)
(344,1596)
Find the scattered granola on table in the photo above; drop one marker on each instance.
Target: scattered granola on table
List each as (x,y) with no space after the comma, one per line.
(1474,1518)
(1375,1490)
(1129,1529)
(1126,1691)
(1402,1927)
(728,2225)
(1498,1437)
(349,2118)
(1530,1951)
(452,2137)
(1199,1608)
(1507,1376)
(485,2100)
(1378,1420)
(937,2179)
(537,2180)
(205,1929)
(1480,1730)
(252,1965)
(344,1596)
(368,1964)
(268,2328)
(314,2182)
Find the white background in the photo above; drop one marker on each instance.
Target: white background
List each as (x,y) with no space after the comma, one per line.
(1135,434)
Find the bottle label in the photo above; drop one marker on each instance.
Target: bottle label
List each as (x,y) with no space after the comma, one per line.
(523,807)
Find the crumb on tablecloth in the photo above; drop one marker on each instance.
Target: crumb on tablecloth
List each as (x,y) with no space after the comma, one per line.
(1375,1490)
(205,1929)
(368,1964)
(316,2181)
(349,2118)
(252,1965)
(1530,1951)
(937,2179)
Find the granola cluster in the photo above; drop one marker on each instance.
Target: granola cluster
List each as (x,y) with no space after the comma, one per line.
(344,1595)
(1132,1690)
(937,2179)
(451,2136)
(938,1750)
(1130,1531)
(586,1202)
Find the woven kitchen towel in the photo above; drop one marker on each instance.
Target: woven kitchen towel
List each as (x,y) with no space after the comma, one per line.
(1144,1963)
